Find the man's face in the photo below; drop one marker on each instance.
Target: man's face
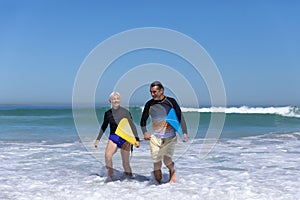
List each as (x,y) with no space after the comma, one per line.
(156,93)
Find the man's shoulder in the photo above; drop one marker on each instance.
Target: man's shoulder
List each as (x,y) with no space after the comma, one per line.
(171,99)
(149,102)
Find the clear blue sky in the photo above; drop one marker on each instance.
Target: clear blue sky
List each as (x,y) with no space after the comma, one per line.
(255,44)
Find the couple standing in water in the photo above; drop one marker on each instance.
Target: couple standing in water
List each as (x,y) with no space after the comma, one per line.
(162,139)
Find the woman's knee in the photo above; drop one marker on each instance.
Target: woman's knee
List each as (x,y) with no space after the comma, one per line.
(109,155)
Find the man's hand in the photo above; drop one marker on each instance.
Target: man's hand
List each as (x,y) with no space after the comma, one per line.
(146,136)
(185,137)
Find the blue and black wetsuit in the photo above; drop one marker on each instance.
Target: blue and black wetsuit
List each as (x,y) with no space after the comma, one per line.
(158,110)
(113,117)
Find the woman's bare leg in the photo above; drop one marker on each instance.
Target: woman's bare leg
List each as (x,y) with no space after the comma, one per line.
(125,153)
(111,149)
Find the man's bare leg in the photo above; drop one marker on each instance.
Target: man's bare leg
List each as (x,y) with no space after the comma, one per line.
(170,165)
(157,171)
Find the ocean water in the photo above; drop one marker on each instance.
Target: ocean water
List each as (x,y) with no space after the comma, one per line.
(256,157)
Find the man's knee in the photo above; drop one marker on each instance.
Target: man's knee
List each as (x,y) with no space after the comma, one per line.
(168,161)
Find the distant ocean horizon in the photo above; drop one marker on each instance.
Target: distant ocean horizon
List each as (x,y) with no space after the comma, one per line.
(69,105)
(256,157)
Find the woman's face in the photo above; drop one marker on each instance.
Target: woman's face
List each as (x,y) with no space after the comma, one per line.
(115,101)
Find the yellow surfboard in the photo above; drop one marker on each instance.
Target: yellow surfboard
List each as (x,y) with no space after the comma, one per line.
(124,131)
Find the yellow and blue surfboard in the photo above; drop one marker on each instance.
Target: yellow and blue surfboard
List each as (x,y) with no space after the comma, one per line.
(124,131)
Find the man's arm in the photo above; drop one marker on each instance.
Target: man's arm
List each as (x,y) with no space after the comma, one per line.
(143,123)
(180,118)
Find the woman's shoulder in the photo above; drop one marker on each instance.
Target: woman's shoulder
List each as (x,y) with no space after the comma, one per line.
(123,109)
(108,111)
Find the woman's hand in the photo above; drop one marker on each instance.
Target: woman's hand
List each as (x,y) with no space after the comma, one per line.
(96,143)
(137,144)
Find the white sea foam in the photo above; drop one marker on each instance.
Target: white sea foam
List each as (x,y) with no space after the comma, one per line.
(249,168)
(287,111)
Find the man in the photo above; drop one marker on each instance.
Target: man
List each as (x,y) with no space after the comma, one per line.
(163,138)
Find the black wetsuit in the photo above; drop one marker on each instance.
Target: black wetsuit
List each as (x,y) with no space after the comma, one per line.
(113,117)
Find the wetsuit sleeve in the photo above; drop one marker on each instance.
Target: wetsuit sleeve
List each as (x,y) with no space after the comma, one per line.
(145,116)
(179,115)
(104,126)
(183,125)
(133,127)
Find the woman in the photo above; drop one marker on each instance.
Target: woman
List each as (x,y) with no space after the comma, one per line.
(112,117)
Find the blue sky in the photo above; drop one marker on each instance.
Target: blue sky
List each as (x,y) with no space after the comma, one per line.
(254,44)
